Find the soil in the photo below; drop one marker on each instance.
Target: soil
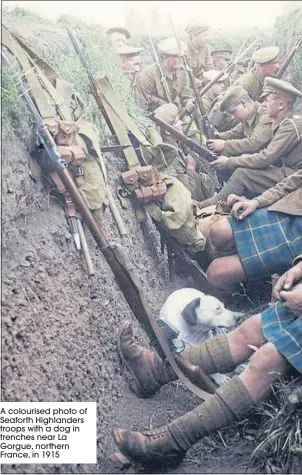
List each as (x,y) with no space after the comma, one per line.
(59,326)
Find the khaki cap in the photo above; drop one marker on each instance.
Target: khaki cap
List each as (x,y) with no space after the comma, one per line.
(222,53)
(167,112)
(169,46)
(265,55)
(212,74)
(194,29)
(119,29)
(129,51)
(278,86)
(232,96)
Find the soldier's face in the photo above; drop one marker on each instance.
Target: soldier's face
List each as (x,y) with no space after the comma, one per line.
(272,105)
(270,69)
(200,40)
(241,111)
(220,63)
(218,88)
(171,63)
(117,40)
(131,65)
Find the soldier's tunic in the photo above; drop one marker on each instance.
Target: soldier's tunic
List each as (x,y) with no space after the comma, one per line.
(199,61)
(252,82)
(209,99)
(255,173)
(249,136)
(150,92)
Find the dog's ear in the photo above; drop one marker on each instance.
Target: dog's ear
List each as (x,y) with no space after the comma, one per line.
(189,312)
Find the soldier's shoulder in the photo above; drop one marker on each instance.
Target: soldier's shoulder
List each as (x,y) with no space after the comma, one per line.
(292,122)
(148,72)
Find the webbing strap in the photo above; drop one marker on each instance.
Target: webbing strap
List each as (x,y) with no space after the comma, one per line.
(28,67)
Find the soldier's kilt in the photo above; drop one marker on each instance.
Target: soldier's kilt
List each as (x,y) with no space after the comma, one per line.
(282,328)
(267,242)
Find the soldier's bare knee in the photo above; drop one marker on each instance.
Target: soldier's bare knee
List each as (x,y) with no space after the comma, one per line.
(220,233)
(215,273)
(267,362)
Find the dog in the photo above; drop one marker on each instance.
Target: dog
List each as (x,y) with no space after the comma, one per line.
(196,317)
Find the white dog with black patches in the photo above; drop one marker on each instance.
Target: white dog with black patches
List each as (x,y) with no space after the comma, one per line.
(197,316)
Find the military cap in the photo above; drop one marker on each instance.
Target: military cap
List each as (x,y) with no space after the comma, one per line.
(265,55)
(195,28)
(167,112)
(119,29)
(278,86)
(222,53)
(169,46)
(232,96)
(128,51)
(212,74)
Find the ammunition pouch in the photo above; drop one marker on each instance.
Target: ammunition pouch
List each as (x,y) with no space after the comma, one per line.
(144,183)
(73,154)
(63,131)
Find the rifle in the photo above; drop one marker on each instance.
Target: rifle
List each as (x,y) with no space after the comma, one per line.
(122,271)
(226,69)
(190,143)
(289,57)
(205,126)
(163,77)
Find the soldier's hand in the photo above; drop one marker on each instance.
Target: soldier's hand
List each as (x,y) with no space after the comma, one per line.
(293,299)
(216,133)
(190,162)
(242,209)
(287,280)
(190,106)
(232,199)
(221,163)
(216,145)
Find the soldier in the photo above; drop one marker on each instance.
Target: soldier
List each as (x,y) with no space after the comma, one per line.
(253,132)
(150,91)
(236,72)
(273,339)
(118,36)
(195,178)
(221,58)
(199,54)
(131,61)
(210,97)
(267,64)
(256,172)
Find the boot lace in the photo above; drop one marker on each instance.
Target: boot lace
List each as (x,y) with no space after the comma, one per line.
(155,434)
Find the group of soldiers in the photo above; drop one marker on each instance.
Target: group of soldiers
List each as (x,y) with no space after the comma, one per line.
(259,166)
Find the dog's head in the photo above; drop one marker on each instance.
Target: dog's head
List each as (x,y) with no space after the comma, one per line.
(209,312)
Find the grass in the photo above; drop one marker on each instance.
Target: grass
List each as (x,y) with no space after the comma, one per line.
(279,429)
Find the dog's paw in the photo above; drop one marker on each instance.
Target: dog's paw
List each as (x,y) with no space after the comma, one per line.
(220,379)
(221,330)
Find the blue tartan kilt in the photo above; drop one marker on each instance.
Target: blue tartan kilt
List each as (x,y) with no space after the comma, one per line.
(267,242)
(284,330)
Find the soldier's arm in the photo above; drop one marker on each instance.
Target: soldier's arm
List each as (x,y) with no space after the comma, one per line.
(283,188)
(281,144)
(208,60)
(260,137)
(185,93)
(234,133)
(146,89)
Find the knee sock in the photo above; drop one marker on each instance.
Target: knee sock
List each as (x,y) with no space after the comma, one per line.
(213,356)
(231,186)
(230,403)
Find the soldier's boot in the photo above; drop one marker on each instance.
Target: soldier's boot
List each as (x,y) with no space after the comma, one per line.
(230,403)
(147,369)
(150,372)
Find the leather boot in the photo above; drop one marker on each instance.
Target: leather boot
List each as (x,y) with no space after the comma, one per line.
(230,403)
(147,369)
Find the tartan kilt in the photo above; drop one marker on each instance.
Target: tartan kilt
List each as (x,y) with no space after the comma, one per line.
(267,242)
(282,328)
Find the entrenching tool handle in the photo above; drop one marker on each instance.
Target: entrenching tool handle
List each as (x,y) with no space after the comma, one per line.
(196,374)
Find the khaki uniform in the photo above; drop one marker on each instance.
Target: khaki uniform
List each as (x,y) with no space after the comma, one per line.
(252,82)
(175,213)
(150,92)
(199,61)
(249,136)
(285,197)
(209,99)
